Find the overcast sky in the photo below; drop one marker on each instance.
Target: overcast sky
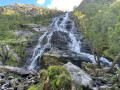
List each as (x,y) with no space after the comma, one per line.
(59,4)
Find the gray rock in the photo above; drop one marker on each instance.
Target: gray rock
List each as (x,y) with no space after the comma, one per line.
(2,81)
(11,88)
(15,70)
(2,75)
(60,40)
(79,77)
(5,86)
(104,79)
(105,87)
(20,88)
(14,83)
(10,77)
(1,64)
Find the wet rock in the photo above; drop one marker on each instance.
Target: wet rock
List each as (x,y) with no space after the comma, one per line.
(10,77)
(110,82)
(101,79)
(2,81)
(79,77)
(20,88)
(85,47)
(68,27)
(60,57)
(14,83)
(5,86)
(47,61)
(105,87)
(11,88)
(2,75)
(60,40)
(105,69)
(15,70)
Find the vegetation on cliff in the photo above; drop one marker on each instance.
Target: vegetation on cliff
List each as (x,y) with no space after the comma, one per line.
(99,23)
(16,17)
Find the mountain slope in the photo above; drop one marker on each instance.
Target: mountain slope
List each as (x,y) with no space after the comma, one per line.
(99,20)
(16,32)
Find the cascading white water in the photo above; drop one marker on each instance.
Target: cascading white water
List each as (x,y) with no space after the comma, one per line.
(60,24)
(39,50)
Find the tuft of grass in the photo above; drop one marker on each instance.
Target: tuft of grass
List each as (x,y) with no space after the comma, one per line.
(56,77)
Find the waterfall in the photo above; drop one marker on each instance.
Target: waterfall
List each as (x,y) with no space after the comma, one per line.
(66,25)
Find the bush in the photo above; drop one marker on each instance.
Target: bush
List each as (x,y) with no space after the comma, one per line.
(56,77)
(115,78)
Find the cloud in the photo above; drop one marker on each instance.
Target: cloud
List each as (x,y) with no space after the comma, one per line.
(64,4)
(41,2)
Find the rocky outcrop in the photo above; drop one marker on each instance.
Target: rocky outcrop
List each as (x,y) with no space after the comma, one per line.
(79,77)
(59,57)
(6,51)
(29,9)
(10,81)
(60,40)
(15,70)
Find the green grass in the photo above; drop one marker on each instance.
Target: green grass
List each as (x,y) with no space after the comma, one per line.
(57,77)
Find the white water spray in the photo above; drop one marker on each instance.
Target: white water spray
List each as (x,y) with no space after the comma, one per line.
(60,24)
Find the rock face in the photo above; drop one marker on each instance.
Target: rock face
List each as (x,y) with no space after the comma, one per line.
(79,77)
(59,57)
(29,9)
(14,70)
(60,39)
(6,50)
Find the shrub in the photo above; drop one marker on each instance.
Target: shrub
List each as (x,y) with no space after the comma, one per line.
(56,77)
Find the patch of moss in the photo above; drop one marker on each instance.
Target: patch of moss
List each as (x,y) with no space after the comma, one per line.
(55,78)
(51,60)
(115,78)
(17,76)
(11,63)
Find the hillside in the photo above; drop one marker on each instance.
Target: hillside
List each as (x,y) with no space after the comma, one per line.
(47,49)
(16,30)
(100,19)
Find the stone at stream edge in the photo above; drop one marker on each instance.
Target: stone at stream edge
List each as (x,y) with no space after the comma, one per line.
(79,77)
(15,70)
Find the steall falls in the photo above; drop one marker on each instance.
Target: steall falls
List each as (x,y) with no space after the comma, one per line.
(64,29)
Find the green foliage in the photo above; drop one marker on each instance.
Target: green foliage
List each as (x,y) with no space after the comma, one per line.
(12,19)
(100,26)
(56,76)
(119,71)
(11,63)
(17,76)
(115,78)
(60,76)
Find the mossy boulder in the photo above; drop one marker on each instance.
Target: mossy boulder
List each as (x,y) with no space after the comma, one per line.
(49,60)
(55,78)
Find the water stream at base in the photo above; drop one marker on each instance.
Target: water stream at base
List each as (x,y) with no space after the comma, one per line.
(66,25)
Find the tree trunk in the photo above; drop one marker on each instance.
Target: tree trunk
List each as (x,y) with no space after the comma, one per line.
(114,62)
(98,61)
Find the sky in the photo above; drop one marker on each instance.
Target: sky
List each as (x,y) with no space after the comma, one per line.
(59,4)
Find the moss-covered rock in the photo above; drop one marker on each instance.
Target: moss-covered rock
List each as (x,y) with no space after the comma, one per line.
(48,60)
(55,78)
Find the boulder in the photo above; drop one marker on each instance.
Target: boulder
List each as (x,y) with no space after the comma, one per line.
(15,70)
(6,50)
(79,77)
(60,57)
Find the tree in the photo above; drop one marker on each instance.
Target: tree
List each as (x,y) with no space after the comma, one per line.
(92,31)
(114,41)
